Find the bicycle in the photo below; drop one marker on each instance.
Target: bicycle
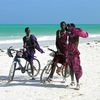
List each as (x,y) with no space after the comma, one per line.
(65,71)
(25,68)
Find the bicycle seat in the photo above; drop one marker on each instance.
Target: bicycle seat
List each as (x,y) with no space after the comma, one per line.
(52,54)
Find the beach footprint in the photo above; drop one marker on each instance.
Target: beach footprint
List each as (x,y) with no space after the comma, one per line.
(63,97)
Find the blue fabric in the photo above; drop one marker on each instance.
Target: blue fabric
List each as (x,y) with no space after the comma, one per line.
(29,53)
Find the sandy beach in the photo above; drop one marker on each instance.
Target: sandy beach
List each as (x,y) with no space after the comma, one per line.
(22,88)
(51,24)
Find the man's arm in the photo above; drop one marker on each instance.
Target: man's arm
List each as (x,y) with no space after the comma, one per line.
(36,44)
(24,45)
(79,32)
(57,37)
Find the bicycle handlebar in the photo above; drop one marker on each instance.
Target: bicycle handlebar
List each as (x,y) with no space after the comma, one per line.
(56,52)
(9,51)
(51,50)
(1,50)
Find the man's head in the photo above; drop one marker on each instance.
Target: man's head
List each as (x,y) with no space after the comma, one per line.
(27,31)
(70,26)
(63,25)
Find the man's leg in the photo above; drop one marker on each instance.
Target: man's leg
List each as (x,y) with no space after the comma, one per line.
(72,74)
(77,70)
(32,69)
(52,69)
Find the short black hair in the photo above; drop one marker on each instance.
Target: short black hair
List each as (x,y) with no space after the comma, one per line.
(26,29)
(68,25)
(72,24)
(61,23)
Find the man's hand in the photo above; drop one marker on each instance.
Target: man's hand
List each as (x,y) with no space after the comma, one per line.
(42,51)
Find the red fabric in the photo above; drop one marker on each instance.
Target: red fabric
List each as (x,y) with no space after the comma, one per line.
(74,63)
(73,52)
(61,42)
(79,32)
(59,59)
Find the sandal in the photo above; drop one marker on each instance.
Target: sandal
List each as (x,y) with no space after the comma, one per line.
(77,87)
(49,79)
(72,84)
(58,71)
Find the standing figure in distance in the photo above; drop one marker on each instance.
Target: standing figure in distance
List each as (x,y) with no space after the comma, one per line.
(61,45)
(30,44)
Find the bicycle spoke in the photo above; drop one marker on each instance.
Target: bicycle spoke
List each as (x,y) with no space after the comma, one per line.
(36,68)
(45,72)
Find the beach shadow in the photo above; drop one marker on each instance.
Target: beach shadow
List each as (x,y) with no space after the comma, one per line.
(36,83)
(24,81)
(3,78)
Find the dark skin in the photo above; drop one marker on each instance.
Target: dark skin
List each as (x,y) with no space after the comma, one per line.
(59,33)
(28,32)
(28,36)
(74,39)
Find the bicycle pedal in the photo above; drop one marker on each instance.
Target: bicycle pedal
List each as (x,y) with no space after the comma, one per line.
(32,78)
(26,70)
(23,71)
(18,68)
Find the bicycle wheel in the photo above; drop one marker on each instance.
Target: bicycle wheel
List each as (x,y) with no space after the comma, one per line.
(12,71)
(66,71)
(36,68)
(46,72)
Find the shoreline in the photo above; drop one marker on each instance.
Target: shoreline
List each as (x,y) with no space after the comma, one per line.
(18,43)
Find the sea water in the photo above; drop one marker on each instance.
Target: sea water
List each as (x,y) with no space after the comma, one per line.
(12,34)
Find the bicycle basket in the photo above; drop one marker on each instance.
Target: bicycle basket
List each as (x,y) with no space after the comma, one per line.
(52,54)
(19,54)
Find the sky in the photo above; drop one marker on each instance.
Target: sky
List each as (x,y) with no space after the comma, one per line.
(49,11)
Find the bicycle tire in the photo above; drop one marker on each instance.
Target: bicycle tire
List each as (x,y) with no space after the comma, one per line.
(36,64)
(12,71)
(45,72)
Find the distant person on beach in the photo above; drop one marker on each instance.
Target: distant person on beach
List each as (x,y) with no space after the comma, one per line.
(61,45)
(30,44)
(73,52)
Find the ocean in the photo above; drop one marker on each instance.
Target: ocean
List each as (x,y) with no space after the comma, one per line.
(11,35)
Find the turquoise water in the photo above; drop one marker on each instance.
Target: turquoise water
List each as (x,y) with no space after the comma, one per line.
(45,33)
(18,30)
(12,31)
(91,28)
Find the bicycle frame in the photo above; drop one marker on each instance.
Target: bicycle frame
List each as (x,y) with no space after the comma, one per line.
(17,60)
(24,68)
(46,71)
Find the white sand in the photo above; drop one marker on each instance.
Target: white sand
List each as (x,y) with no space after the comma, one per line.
(22,88)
